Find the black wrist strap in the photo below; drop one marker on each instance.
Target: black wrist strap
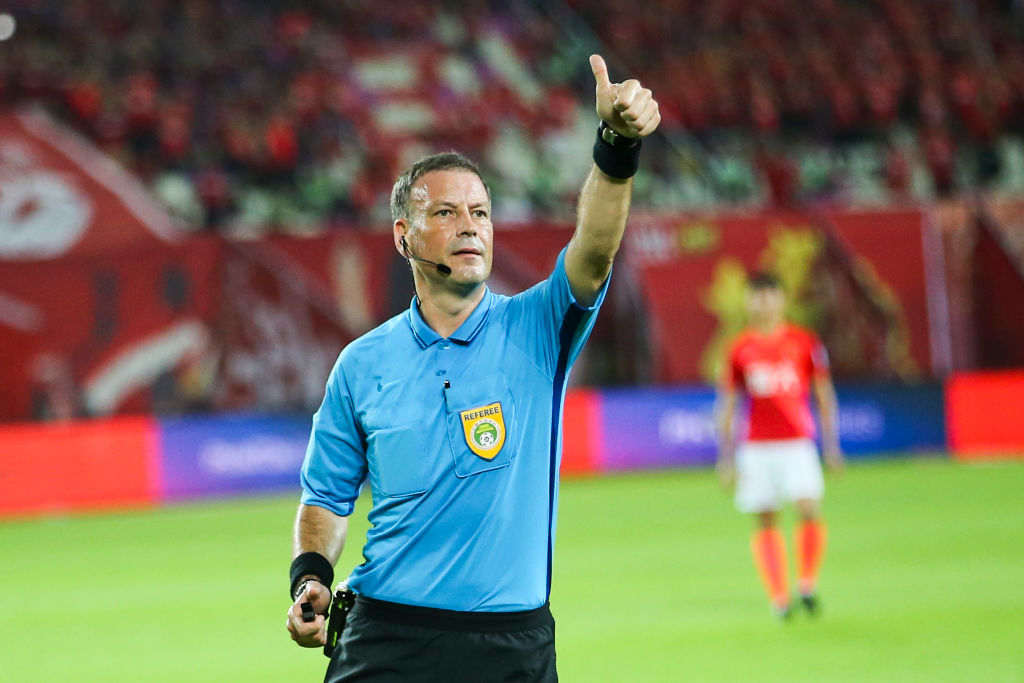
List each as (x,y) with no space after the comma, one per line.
(616,155)
(311,564)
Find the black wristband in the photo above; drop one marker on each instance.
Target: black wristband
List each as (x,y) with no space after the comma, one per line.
(311,564)
(616,155)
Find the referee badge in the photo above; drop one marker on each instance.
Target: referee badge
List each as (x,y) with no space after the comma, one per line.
(484,428)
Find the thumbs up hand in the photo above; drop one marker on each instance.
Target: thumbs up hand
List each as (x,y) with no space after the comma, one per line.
(628,108)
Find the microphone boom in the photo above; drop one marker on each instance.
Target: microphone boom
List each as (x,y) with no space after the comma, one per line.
(441,268)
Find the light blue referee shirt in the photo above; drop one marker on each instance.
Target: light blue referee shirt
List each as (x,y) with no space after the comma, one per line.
(461,441)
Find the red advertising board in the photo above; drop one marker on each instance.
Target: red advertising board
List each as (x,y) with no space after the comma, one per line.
(86,465)
(984,415)
(581,433)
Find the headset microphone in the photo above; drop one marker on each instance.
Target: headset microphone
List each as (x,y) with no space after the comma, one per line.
(441,268)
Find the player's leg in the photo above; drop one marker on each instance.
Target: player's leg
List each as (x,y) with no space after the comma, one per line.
(769,548)
(758,494)
(805,486)
(811,534)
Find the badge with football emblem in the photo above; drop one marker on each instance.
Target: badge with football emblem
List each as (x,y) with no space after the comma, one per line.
(484,428)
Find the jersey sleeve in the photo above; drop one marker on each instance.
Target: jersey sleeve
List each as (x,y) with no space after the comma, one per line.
(335,465)
(732,372)
(547,321)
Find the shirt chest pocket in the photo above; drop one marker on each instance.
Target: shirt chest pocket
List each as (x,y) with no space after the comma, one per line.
(397,457)
(481,425)
(398,460)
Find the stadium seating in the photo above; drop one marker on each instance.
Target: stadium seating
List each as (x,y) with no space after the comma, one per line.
(301,114)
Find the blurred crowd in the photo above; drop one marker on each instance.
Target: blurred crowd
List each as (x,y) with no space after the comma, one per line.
(937,84)
(247,117)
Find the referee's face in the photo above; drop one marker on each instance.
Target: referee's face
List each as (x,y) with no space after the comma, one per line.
(452,225)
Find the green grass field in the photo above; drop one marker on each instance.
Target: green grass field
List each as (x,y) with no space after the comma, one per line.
(924,581)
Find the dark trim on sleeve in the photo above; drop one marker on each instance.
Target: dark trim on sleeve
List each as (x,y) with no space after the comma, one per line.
(570,323)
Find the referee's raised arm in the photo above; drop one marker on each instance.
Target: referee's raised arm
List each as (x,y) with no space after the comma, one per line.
(628,113)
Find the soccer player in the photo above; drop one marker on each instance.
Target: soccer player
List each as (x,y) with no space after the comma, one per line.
(451,413)
(776,365)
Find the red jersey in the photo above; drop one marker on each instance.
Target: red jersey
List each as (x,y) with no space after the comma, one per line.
(775,371)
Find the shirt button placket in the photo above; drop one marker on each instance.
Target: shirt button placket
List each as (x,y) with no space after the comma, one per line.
(443,345)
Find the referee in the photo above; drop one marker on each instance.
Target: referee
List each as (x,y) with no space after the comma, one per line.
(452,412)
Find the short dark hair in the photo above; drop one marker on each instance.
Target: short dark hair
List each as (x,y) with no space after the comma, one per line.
(446,161)
(765,280)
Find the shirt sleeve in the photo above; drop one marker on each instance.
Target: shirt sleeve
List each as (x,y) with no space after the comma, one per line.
(732,373)
(548,321)
(335,465)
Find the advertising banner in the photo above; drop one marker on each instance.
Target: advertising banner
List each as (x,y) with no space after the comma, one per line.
(985,415)
(674,427)
(135,461)
(657,428)
(582,447)
(891,419)
(230,455)
(55,469)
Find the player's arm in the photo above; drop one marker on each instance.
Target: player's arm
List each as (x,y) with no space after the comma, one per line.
(320,531)
(828,412)
(725,414)
(630,110)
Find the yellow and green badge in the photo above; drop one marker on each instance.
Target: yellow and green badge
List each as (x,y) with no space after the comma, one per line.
(484,428)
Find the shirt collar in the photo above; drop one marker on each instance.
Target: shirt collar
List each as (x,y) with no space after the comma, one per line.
(426,335)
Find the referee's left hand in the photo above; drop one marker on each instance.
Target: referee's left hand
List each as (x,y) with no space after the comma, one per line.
(628,108)
(310,633)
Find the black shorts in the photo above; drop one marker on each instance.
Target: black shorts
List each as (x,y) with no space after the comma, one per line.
(385,642)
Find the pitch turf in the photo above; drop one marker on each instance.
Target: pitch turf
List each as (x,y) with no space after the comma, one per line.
(924,581)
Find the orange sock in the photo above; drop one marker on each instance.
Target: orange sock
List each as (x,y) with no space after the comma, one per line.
(769,548)
(810,549)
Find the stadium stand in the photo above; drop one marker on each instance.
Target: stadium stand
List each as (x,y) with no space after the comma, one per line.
(300,115)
